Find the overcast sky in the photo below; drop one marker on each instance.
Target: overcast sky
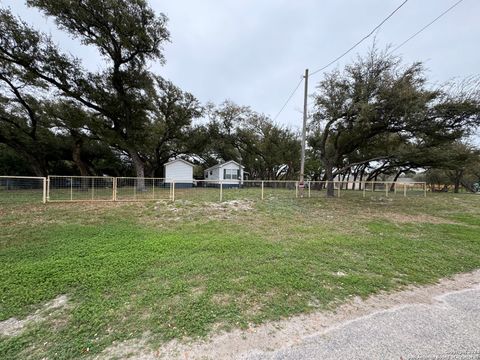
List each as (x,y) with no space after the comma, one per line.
(255,51)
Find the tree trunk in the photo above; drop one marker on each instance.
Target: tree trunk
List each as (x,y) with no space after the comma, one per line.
(330,177)
(362,172)
(397,175)
(458,178)
(456,189)
(355,175)
(77,159)
(139,170)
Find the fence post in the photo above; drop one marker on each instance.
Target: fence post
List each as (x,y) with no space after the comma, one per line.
(153,188)
(425,189)
(364,189)
(114,189)
(221,190)
(296,189)
(173,190)
(309,188)
(262,190)
(48,188)
(338,188)
(44,198)
(71,188)
(395,188)
(93,188)
(135,189)
(386,189)
(405,190)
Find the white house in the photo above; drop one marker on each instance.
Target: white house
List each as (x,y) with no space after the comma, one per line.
(230,172)
(180,171)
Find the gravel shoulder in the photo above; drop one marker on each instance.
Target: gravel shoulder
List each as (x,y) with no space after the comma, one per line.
(440,320)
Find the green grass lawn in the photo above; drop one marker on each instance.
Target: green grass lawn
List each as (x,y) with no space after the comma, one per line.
(188,269)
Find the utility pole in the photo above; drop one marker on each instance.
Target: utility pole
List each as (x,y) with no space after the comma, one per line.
(301,183)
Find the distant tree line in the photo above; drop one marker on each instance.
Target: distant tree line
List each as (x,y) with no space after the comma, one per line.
(57,117)
(375,118)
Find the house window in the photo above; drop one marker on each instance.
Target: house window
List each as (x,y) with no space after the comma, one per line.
(231,174)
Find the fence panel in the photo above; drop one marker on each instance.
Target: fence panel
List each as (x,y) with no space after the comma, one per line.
(389,188)
(412,189)
(143,189)
(365,188)
(274,189)
(22,189)
(247,190)
(315,189)
(227,190)
(80,188)
(199,191)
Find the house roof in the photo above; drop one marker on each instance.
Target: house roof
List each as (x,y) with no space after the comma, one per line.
(175,160)
(223,164)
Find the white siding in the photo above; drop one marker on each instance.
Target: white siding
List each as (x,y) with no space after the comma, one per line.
(179,171)
(214,174)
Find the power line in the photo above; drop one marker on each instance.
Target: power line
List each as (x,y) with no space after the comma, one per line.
(426,26)
(288,100)
(339,57)
(361,40)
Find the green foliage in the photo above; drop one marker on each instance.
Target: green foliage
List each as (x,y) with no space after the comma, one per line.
(11,163)
(378,110)
(126,33)
(267,150)
(458,165)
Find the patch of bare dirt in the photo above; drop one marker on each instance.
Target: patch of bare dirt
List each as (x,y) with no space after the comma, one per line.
(221,299)
(129,349)
(274,335)
(185,210)
(14,326)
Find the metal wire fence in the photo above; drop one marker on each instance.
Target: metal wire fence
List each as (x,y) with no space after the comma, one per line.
(139,189)
(106,188)
(366,188)
(226,190)
(23,189)
(80,188)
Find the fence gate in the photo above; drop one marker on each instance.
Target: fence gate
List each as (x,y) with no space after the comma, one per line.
(23,189)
